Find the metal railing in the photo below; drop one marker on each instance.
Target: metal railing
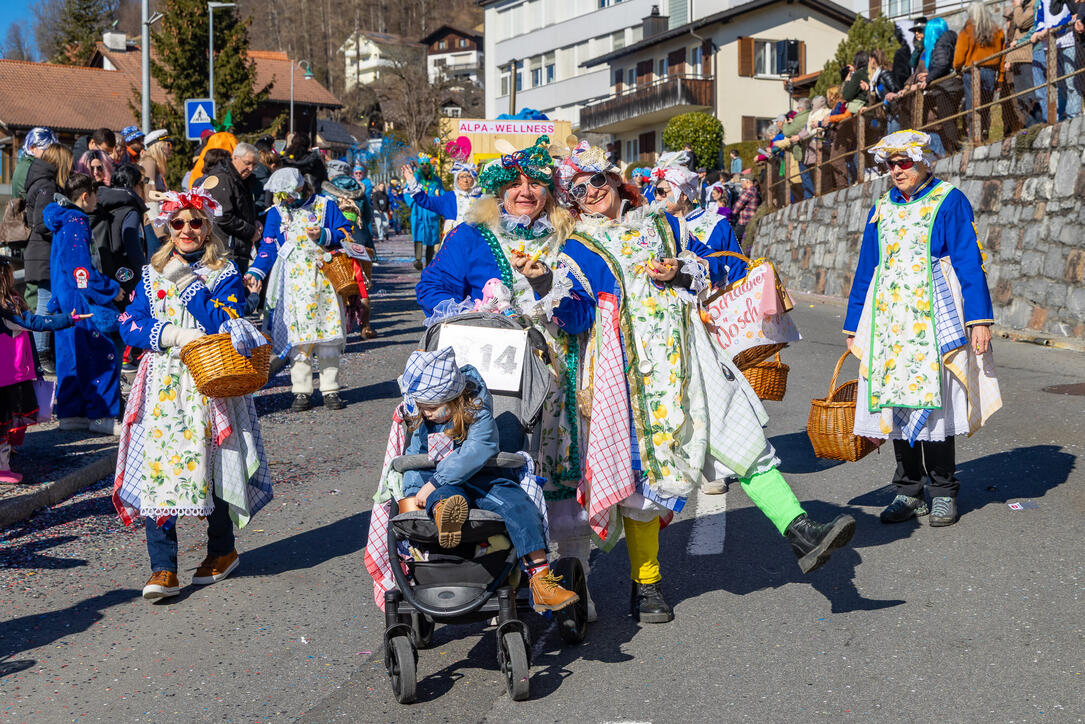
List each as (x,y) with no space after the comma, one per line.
(938,108)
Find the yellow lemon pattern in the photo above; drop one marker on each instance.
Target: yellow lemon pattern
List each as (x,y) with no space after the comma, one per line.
(309,304)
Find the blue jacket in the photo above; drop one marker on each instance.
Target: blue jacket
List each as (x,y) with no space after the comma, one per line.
(953,235)
(468,456)
(34,322)
(426,225)
(76,283)
(337,226)
(464,264)
(139,328)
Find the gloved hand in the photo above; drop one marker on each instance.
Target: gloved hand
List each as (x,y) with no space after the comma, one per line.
(179,272)
(175,336)
(243,335)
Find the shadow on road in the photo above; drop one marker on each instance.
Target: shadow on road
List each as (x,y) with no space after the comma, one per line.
(797,455)
(31,632)
(305,550)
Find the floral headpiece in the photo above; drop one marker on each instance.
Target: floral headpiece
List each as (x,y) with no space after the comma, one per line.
(175,202)
(534,162)
(585,158)
(916,145)
(424,159)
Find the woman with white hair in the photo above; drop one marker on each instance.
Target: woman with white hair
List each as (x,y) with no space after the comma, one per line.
(979,40)
(302,231)
(452,205)
(918,320)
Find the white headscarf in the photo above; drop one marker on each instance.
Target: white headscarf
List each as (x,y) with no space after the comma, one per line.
(916,145)
(672,168)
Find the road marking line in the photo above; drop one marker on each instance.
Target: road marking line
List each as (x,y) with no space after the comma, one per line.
(710,525)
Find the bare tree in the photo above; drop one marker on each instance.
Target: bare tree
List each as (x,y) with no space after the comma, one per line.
(17,45)
(408,100)
(46,25)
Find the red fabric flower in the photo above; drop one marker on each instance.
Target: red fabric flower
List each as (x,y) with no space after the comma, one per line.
(161,293)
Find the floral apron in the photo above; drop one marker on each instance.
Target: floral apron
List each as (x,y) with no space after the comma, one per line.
(904,360)
(304,300)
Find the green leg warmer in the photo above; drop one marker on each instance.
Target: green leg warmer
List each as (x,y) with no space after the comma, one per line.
(771,493)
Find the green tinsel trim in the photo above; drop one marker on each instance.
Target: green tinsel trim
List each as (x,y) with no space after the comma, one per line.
(499,256)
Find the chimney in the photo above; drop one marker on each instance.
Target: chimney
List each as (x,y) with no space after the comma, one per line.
(115,41)
(655,23)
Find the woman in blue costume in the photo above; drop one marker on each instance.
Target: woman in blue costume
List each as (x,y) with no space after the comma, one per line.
(425,224)
(679,186)
(691,410)
(182,453)
(300,234)
(520,219)
(919,316)
(452,205)
(88,361)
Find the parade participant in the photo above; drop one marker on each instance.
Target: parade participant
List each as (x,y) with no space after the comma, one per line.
(88,394)
(519,218)
(451,205)
(18,401)
(634,261)
(351,198)
(300,233)
(182,453)
(450,417)
(919,316)
(678,186)
(425,230)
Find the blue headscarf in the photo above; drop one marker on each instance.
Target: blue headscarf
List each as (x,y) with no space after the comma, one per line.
(936,28)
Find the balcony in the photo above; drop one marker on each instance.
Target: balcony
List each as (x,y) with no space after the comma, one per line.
(651,104)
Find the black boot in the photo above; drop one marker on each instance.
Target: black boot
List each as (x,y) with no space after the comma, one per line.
(301,403)
(646,604)
(814,542)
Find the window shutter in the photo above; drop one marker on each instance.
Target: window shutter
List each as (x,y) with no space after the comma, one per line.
(644,71)
(874,8)
(930,7)
(749,128)
(802,57)
(745,57)
(647,142)
(677,61)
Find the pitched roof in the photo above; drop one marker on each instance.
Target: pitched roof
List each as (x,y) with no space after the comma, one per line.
(448,30)
(272,66)
(66,98)
(333,132)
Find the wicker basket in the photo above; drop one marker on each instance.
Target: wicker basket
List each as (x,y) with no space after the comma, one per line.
(340,272)
(833,419)
(220,371)
(768,379)
(757,354)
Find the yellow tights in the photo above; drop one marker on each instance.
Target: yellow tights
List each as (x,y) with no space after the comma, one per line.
(642,542)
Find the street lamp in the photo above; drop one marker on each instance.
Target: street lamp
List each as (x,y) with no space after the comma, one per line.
(145,64)
(211,7)
(308,76)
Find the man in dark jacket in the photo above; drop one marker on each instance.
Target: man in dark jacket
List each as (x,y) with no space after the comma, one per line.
(902,60)
(381,208)
(116,227)
(228,184)
(102,139)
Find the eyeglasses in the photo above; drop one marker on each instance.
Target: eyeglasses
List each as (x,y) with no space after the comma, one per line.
(597,181)
(194,224)
(660,193)
(902,163)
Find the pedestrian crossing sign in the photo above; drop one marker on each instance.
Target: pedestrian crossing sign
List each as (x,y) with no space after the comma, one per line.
(199,117)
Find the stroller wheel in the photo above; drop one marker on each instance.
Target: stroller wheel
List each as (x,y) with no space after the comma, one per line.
(422,630)
(512,656)
(572,620)
(400,660)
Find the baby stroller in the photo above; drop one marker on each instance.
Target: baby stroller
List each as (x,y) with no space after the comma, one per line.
(479,579)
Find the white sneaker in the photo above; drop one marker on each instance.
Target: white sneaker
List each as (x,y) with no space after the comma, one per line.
(105,426)
(73,423)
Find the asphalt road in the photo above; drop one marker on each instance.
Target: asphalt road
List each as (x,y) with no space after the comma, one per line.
(979,622)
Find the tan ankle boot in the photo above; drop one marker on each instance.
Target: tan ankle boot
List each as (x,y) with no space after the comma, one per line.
(547,594)
(450,514)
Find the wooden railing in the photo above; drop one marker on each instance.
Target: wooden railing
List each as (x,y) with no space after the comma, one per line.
(660,94)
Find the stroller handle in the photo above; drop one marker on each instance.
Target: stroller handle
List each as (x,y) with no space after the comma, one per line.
(501,461)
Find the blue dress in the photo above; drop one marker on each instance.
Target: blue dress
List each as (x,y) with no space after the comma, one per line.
(87,359)
(425,225)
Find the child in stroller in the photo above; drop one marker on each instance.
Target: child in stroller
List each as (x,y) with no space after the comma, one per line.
(450,419)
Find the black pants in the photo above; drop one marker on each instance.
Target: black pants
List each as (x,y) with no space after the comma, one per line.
(936,460)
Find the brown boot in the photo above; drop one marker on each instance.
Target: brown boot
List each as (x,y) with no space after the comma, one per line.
(215,568)
(450,514)
(162,584)
(547,594)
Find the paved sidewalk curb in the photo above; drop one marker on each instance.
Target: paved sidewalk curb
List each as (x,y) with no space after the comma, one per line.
(15,510)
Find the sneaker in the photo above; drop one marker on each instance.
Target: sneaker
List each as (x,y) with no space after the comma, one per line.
(368,333)
(105,426)
(9,477)
(547,595)
(418,264)
(301,403)
(48,366)
(719,487)
(902,508)
(73,423)
(161,584)
(647,605)
(215,568)
(333,402)
(450,514)
(814,542)
(943,511)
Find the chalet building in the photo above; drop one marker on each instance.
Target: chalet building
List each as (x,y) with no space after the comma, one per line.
(455,54)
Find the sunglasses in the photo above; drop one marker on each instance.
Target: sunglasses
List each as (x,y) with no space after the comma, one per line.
(661,193)
(597,181)
(97,167)
(194,224)
(902,163)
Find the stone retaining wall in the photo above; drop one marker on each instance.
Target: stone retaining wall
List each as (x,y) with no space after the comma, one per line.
(1028,193)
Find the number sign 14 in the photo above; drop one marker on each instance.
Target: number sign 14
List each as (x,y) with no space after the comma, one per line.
(498,354)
